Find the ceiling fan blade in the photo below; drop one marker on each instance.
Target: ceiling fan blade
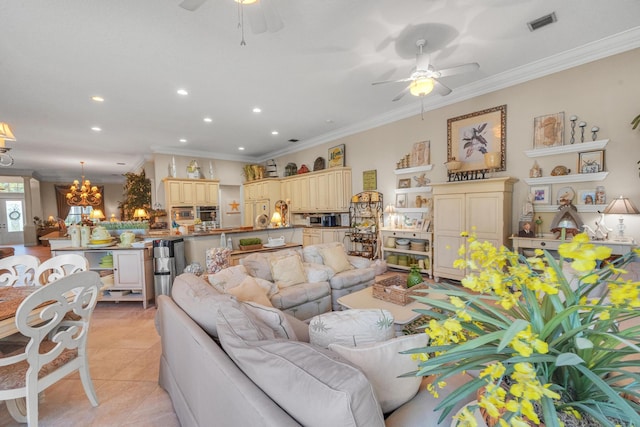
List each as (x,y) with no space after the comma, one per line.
(256,18)
(466,68)
(191,4)
(392,81)
(271,16)
(263,17)
(401,94)
(440,88)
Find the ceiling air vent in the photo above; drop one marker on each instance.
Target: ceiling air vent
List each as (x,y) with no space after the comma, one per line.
(542,21)
(294,140)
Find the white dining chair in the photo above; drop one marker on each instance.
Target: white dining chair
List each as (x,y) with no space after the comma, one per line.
(44,361)
(59,266)
(18,270)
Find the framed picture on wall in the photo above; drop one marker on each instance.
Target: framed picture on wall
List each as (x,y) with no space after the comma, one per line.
(336,156)
(591,161)
(420,153)
(541,194)
(548,131)
(401,201)
(473,135)
(404,183)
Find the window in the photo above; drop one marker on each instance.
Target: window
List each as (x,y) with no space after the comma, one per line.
(76,213)
(12,187)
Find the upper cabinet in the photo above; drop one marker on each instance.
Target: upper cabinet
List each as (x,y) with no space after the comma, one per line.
(328,190)
(268,188)
(190,192)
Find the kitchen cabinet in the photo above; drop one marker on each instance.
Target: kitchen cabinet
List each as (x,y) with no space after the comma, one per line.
(191,192)
(128,277)
(482,207)
(400,258)
(255,208)
(317,235)
(327,190)
(263,189)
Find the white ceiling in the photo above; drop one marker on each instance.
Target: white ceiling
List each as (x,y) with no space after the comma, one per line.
(312,79)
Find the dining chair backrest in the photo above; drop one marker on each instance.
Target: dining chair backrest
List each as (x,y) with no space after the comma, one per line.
(58,267)
(18,270)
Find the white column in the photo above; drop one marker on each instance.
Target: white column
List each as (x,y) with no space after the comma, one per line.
(29,233)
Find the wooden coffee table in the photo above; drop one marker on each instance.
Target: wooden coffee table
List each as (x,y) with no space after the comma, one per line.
(402,314)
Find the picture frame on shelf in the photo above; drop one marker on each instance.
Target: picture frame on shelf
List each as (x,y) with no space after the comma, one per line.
(587,197)
(404,183)
(471,136)
(541,194)
(402,201)
(426,225)
(419,224)
(548,130)
(526,229)
(336,156)
(591,161)
(420,153)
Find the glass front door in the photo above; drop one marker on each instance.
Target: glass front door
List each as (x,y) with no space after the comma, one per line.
(11,222)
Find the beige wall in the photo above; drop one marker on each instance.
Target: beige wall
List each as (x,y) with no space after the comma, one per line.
(604,93)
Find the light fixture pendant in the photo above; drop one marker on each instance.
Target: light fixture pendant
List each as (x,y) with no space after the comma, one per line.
(82,193)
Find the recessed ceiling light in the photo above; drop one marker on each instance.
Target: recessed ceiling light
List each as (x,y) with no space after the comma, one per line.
(241,148)
(257,110)
(96,129)
(97,98)
(120,163)
(182,92)
(274,132)
(328,121)
(208,119)
(182,140)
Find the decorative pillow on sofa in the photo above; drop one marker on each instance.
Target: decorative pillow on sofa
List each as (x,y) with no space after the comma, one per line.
(199,300)
(383,364)
(274,318)
(287,271)
(336,258)
(313,385)
(351,328)
(233,276)
(250,290)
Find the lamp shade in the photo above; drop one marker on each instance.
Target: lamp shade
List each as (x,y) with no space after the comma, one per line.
(276,218)
(621,206)
(140,213)
(421,87)
(5,132)
(97,214)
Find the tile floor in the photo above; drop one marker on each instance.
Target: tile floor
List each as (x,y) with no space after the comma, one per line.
(124,355)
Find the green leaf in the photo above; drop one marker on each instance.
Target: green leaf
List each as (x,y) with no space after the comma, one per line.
(517,326)
(583,343)
(568,359)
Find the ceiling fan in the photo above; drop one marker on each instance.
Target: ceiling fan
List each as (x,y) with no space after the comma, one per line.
(262,14)
(424,78)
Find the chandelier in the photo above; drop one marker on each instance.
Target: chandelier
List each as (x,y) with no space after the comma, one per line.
(5,135)
(81,193)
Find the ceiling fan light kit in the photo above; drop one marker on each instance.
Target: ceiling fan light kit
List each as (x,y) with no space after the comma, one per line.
(421,87)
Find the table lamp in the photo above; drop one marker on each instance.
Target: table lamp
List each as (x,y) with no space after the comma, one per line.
(621,206)
(276,219)
(140,214)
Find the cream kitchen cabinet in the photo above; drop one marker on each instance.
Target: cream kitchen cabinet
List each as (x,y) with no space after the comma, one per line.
(315,236)
(129,277)
(482,207)
(190,192)
(264,189)
(300,194)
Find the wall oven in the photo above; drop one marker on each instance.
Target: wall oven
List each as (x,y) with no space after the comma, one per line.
(207,213)
(183,213)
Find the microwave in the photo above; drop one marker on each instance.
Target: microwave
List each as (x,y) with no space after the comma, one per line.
(183,213)
(315,220)
(207,213)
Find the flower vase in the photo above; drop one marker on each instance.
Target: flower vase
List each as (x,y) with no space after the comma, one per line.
(414,277)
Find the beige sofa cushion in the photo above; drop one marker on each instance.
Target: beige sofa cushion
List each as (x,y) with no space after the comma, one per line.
(383,364)
(336,258)
(287,271)
(274,318)
(249,290)
(199,300)
(304,380)
(233,276)
(351,328)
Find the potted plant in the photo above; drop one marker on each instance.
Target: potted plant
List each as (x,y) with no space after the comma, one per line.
(548,347)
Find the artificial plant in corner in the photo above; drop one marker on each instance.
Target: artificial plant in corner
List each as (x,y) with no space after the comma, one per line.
(136,193)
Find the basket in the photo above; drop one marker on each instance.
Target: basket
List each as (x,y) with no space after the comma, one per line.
(394,289)
(250,247)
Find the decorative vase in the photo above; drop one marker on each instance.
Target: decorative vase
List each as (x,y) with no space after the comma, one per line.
(414,277)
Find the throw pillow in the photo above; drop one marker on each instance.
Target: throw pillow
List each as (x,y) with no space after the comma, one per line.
(313,385)
(336,258)
(274,318)
(287,271)
(227,278)
(199,300)
(351,327)
(249,290)
(383,365)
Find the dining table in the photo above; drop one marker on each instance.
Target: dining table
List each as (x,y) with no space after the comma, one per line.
(10,299)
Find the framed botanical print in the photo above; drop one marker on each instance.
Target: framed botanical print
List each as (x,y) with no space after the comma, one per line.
(471,136)
(401,201)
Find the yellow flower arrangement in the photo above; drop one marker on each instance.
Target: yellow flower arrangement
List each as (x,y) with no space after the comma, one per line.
(548,346)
